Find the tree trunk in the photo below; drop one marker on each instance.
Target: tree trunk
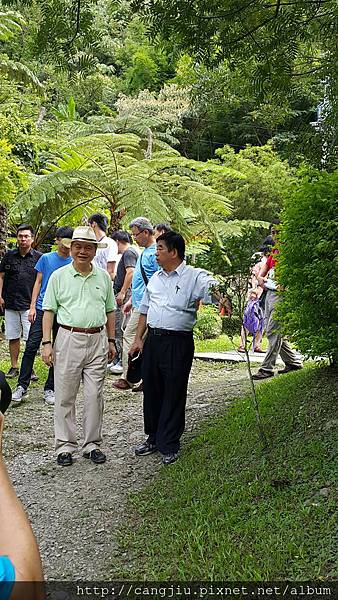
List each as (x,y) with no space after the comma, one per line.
(115,218)
(3,229)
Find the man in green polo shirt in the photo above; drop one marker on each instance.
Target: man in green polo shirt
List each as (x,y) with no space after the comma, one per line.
(81,295)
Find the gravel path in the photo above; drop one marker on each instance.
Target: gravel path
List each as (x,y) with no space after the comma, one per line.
(77,511)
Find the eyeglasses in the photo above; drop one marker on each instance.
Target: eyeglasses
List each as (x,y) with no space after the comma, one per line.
(135,235)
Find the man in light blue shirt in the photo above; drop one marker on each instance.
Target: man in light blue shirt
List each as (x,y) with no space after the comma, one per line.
(146,266)
(168,310)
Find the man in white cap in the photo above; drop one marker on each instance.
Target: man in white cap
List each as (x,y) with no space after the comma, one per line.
(81,296)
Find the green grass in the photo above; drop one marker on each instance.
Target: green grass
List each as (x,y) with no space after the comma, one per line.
(228,510)
(222,344)
(39,368)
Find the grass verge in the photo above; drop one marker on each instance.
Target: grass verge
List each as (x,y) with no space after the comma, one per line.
(222,344)
(230,511)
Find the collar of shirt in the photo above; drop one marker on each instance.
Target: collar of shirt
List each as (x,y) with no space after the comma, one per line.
(179,270)
(17,251)
(75,272)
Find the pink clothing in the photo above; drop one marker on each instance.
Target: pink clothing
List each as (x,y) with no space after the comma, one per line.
(254,276)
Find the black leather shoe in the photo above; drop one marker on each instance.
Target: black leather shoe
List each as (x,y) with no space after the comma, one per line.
(170,458)
(96,456)
(64,459)
(145,448)
(289,368)
(260,375)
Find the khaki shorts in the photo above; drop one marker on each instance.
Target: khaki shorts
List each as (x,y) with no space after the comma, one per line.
(16,324)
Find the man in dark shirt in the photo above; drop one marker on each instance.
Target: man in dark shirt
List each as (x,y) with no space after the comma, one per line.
(17,278)
(122,290)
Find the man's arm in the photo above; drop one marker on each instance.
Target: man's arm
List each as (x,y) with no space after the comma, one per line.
(111,269)
(126,285)
(110,328)
(2,278)
(35,293)
(137,345)
(47,326)
(17,540)
(262,274)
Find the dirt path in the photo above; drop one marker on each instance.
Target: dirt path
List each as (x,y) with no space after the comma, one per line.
(77,511)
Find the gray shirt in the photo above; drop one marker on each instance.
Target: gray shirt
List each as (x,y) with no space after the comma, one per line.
(170,300)
(128,259)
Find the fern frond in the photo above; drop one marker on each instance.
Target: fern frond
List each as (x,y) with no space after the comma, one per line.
(11,23)
(22,74)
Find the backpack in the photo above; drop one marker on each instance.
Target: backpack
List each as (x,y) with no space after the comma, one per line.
(253,318)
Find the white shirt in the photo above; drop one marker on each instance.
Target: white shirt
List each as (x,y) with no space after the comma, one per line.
(170,300)
(105,255)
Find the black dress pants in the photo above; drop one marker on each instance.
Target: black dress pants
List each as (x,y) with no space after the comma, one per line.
(166,365)
(31,349)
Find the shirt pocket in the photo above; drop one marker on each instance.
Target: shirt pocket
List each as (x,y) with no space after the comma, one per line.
(12,269)
(179,299)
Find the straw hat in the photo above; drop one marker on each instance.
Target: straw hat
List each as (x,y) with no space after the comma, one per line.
(83,234)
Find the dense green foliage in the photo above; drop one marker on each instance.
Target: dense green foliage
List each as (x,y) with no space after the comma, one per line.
(308,266)
(209,323)
(280,40)
(202,126)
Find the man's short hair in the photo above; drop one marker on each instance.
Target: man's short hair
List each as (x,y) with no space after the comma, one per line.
(100,219)
(163,227)
(173,241)
(25,227)
(121,236)
(143,224)
(64,232)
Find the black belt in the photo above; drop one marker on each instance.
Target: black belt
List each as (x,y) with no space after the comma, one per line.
(83,329)
(156,331)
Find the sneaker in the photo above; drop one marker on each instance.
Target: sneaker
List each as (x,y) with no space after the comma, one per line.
(169,459)
(261,374)
(138,387)
(34,376)
(13,372)
(64,459)
(145,448)
(18,394)
(116,369)
(96,456)
(49,397)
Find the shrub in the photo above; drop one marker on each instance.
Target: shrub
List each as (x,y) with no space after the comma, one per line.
(209,323)
(308,266)
(231,325)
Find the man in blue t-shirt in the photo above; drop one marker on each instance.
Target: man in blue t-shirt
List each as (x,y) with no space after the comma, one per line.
(7,577)
(46,265)
(146,266)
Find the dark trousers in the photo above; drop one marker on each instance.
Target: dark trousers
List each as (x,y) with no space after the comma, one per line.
(166,365)
(31,349)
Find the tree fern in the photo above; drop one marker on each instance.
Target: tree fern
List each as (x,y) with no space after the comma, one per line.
(11,23)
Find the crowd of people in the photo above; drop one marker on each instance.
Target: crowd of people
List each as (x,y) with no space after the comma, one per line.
(99,302)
